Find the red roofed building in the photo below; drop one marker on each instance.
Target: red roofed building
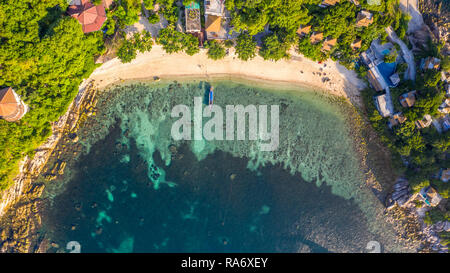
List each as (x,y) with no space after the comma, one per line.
(91,17)
(12,107)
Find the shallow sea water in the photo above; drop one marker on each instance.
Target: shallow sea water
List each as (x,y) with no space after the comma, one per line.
(135,189)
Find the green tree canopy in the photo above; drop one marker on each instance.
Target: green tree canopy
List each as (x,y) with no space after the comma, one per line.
(274,48)
(174,41)
(45,66)
(215,50)
(141,42)
(245,47)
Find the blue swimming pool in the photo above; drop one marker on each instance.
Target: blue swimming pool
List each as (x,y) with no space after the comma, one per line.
(386,70)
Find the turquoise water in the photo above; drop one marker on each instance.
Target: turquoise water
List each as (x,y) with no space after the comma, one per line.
(135,189)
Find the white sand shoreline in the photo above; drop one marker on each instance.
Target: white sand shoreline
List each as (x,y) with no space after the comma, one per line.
(298,71)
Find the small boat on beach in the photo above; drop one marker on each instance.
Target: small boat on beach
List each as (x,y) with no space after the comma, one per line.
(211,97)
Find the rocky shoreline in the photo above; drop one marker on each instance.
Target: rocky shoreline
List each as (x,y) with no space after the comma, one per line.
(436,14)
(20,220)
(394,192)
(409,219)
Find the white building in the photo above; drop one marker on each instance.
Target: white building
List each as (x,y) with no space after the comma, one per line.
(382,106)
(215,7)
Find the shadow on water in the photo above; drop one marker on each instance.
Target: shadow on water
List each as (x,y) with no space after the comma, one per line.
(217,205)
(206,86)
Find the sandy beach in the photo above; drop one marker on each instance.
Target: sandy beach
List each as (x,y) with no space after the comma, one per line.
(298,70)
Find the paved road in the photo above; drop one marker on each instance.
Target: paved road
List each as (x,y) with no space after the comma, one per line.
(407,54)
(411,7)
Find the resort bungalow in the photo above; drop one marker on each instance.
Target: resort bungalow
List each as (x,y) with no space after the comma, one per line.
(444,175)
(356,44)
(90,16)
(444,108)
(395,79)
(371,58)
(213,27)
(316,37)
(408,99)
(364,19)
(425,122)
(430,196)
(303,30)
(381,104)
(192,14)
(445,77)
(12,108)
(445,123)
(214,13)
(327,3)
(430,63)
(442,123)
(397,118)
(368,61)
(328,44)
(376,80)
(215,7)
